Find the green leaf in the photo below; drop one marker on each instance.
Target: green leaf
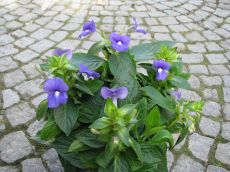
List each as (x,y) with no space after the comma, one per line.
(49,131)
(44,67)
(66,116)
(153,118)
(77,144)
(95,48)
(94,85)
(110,109)
(180,82)
(137,149)
(123,69)
(158,98)
(106,156)
(101,123)
(124,135)
(146,51)
(183,134)
(93,62)
(89,139)
(42,110)
(141,111)
(119,165)
(162,136)
(82,87)
(126,109)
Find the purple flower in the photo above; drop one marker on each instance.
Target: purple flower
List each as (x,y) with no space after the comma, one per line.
(114,93)
(136,27)
(88,28)
(57,92)
(176,95)
(119,42)
(63,52)
(162,67)
(87,73)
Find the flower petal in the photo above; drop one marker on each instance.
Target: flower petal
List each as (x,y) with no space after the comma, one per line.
(91,26)
(114,37)
(84,33)
(161,76)
(120,48)
(135,23)
(161,64)
(176,94)
(139,30)
(62,98)
(121,92)
(52,101)
(106,92)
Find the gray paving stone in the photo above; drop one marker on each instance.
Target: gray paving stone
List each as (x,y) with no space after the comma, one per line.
(187,164)
(19,33)
(24,42)
(162,37)
(197,48)
(42,45)
(211,109)
(6,63)
(198,69)
(211,80)
(226,80)
(14,146)
(69,43)
(31,27)
(10,97)
(35,127)
(2,124)
(216,58)
(36,101)
(170,159)
(195,36)
(8,169)
(210,94)
(223,153)
(5,39)
(7,50)
(226,110)
(26,56)
(209,127)
(189,95)
(226,130)
(212,46)
(20,114)
(200,146)
(51,159)
(212,168)
(33,164)
(30,88)
(168,21)
(226,94)
(13,78)
(194,82)
(218,69)
(13,25)
(41,33)
(58,36)
(54,25)
(192,58)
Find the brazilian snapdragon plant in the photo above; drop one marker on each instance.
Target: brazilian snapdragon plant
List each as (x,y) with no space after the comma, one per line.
(101,115)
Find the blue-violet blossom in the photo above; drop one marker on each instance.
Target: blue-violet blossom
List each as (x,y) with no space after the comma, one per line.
(119,43)
(161,67)
(56,88)
(136,27)
(87,73)
(63,52)
(176,94)
(114,93)
(88,28)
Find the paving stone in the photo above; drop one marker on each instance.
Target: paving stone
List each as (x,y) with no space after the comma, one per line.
(226,110)
(212,168)
(162,36)
(197,47)
(200,146)
(194,82)
(216,58)
(194,36)
(24,42)
(189,95)
(13,78)
(2,124)
(14,146)
(226,130)
(20,114)
(42,45)
(26,56)
(168,21)
(223,153)
(211,109)
(226,94)
(41,33)
(30,88)
(6,63)
(36,101)
(35,127)
(33,164)
(218,69)
(6,39)
(178,28)
(13,25)
(211,80)
(7,50)
(54,25)
(51,159)
(159,29)
(170,159)
(187,164)
(10,97)
(69,43)
(8,169)
(179,37)
(19,33)
(209,127)
(192,58)
(31,27)
(212,46)
(226,80)
(210,94)
(58,36)
(198,69)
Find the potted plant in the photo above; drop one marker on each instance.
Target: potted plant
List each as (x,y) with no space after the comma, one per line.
(103,115)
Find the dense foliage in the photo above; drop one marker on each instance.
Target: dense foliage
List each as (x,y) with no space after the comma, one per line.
(103,115)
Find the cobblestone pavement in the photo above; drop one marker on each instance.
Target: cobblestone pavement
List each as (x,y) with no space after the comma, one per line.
(29,30)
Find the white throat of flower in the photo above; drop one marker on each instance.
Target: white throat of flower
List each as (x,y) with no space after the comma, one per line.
(119,43)
(86,78)
(57,94)
(160,70)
